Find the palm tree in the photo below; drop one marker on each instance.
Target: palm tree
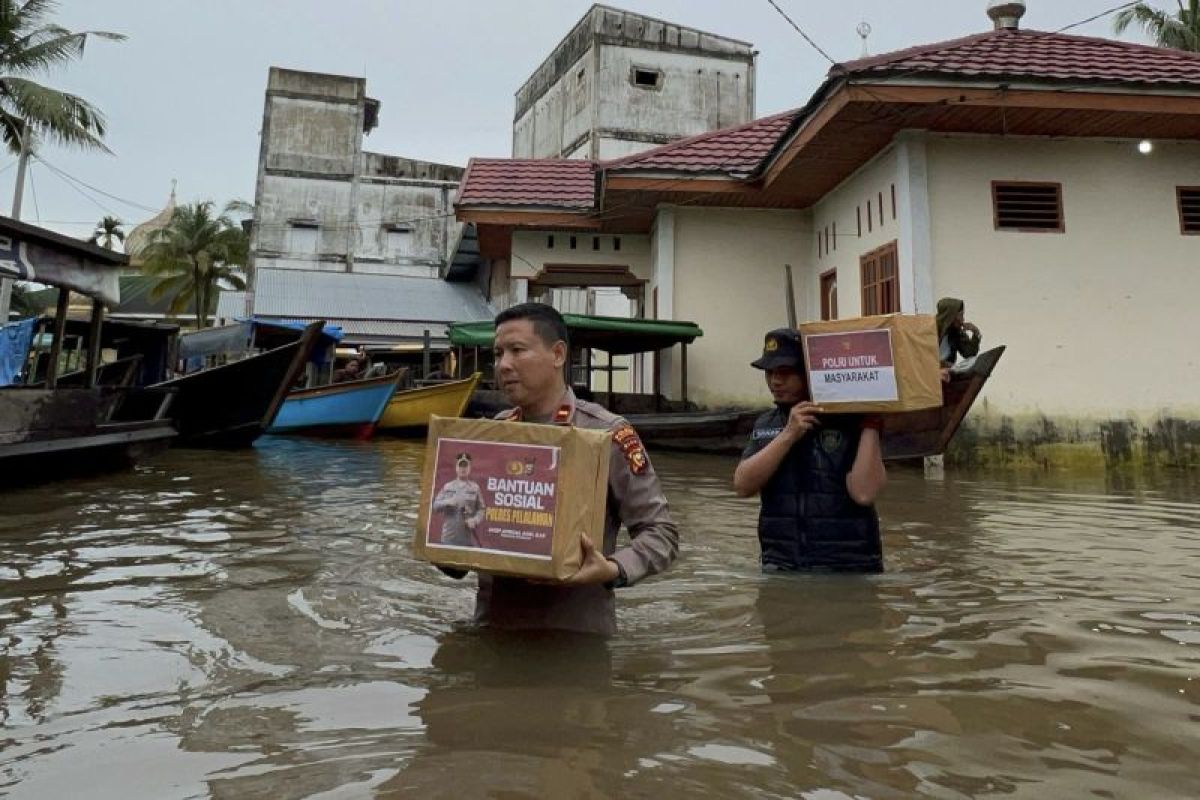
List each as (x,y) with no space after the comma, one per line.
(194,254)
(29,46)
(1180,31)
(107,230)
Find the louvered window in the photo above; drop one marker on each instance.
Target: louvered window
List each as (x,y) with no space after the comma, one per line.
(1189,209)
(1033,207)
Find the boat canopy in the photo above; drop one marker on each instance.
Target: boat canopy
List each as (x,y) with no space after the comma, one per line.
(614,335)
(30,253)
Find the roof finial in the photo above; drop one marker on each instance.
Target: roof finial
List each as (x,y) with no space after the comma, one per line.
(864,30)
(1006,14)
(173,182)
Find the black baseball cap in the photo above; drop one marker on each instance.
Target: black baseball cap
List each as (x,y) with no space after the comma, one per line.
(781,348)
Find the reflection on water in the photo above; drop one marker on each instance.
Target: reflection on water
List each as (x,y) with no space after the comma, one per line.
(250,624)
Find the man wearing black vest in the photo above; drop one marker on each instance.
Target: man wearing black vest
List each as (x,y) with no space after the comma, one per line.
(817,474)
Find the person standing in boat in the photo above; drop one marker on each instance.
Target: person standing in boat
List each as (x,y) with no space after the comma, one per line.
(817,474)
(956,336)
(461,503)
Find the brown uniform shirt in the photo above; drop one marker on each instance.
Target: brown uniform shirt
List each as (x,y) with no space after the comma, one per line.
(634,499)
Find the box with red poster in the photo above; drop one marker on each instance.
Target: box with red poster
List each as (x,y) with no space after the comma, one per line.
(509,497)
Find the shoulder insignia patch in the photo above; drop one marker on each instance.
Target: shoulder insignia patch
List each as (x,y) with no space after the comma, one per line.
(631,447)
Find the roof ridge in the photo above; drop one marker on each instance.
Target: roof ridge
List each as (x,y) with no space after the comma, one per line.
(882,59)
(700,137)
(1002,37)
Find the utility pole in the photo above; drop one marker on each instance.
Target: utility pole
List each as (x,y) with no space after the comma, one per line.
(22,164)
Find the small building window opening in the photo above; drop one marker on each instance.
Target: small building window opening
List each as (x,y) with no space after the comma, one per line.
(616,244)
(549,242)
(1189,209)
(399,240)
(574,243)
(303,236)
(595,242)
(1030,207)
(647,78)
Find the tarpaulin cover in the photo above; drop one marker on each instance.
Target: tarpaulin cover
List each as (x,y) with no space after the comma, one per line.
(15,338)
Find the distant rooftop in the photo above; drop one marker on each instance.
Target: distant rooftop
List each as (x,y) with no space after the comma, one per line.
(615,26)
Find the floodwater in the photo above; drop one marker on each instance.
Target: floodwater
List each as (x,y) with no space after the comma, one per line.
(251,625)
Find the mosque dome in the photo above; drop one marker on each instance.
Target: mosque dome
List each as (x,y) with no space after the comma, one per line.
(139,237)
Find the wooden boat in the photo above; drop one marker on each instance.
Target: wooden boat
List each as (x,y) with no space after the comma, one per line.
(57,433)
(913,434)
(233,404)
(350,409)
(49,431)
(409,410)
(723,432)
(226,406)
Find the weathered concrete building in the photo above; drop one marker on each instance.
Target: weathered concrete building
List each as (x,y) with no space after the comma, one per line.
(324,204)
(620,83)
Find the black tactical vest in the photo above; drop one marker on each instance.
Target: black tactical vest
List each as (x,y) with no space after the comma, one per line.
(808,521)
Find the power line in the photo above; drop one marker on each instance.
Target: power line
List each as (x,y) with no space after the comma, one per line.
(36,210)
(807,38)
(82,193)
(1095,17)
(70,177)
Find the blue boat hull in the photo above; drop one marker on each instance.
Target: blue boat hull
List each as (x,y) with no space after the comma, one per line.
(341,409)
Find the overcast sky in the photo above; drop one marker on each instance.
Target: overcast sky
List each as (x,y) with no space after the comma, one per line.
(184,93)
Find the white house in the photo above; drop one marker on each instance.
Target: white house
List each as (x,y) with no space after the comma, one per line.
(1051,181)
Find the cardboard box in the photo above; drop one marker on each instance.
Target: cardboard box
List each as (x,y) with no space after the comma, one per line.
(873,365)
(519,505)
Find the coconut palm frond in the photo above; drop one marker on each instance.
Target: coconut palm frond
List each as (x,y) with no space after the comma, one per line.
(194,254)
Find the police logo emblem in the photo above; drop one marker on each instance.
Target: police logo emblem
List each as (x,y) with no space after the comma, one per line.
(831,440)
(772,344)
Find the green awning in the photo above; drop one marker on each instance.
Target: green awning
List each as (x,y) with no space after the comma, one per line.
(614,335)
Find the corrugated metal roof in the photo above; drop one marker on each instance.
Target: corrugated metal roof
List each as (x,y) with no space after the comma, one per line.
(303,294)
(231,305)
(355,331)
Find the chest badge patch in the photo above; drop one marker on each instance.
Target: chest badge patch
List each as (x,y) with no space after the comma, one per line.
(831,441)
(631,447)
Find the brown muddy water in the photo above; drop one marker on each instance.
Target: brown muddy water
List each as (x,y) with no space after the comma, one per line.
(251,625)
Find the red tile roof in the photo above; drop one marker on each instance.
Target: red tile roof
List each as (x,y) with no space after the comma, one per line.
(1035,55)
(740,150)
(736,151)
(551,183)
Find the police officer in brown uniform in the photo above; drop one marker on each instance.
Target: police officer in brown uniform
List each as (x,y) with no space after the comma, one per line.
(531,353)
(461,501)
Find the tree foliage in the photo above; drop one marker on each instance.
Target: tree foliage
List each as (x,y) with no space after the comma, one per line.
(197,253)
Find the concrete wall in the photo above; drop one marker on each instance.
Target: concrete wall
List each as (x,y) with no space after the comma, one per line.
(1093,317)
(698,93)
(1099,364)
(729,279)
(372,212)
(557,124)
(581,102)
(839,213)
(531,251)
